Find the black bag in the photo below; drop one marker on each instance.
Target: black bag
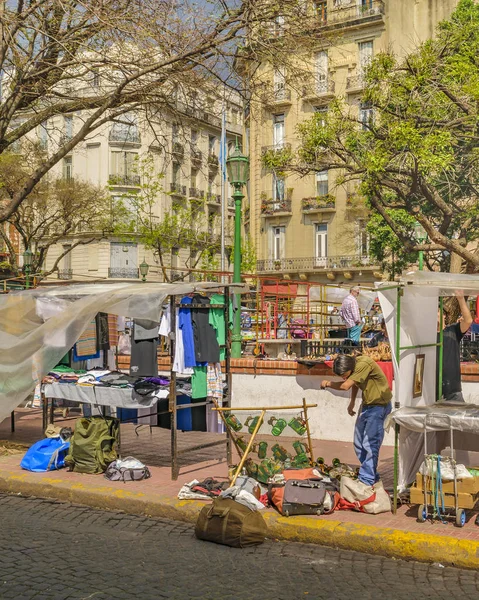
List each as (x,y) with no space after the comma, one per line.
(303,497)
(230,523)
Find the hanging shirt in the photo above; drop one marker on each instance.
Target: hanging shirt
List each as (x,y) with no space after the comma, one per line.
(206,345)
(199,387)
(217,321)
(186,327)
(179,361)
(214,381)
(144,356)
(165,323)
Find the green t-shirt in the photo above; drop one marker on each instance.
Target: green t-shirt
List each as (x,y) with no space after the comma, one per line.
(199,383)
(217,320)
(371,381)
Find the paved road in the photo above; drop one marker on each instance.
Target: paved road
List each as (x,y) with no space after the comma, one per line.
(57,551)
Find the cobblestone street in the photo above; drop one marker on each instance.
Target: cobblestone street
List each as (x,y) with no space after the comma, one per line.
(58,551)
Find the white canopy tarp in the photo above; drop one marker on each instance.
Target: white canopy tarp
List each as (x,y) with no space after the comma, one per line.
(420,293)
(38,327)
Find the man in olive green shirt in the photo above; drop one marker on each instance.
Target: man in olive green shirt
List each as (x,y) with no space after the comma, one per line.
(364,374)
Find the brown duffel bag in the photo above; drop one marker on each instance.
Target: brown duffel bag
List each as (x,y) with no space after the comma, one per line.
(230,523)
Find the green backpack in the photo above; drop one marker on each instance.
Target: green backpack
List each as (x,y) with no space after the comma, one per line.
(93,445)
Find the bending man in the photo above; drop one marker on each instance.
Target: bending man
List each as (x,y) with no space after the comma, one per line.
(363,373)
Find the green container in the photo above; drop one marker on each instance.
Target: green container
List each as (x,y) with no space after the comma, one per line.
(234,422)
(298,425)
(251,468)
(262,449)
(299,447)
(280,453)
(278,426)
(251,424)
(300,461)
(241,443)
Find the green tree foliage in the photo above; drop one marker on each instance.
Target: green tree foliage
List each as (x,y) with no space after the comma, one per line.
(417,152)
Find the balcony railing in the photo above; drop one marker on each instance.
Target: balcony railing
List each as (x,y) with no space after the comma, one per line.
(196,193)
(273,207)
(313,263)
(177,189)
(196,155)
(129,180)
(123,273)
(370,10)
(278,147)
(231,203)
(65,274)
(213,198)
(316,203)
(127,137)
(281,94)
(323,87)
(355,82)
(178,149)
(213,161)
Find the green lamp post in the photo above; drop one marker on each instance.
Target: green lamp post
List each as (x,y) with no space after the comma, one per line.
(237,166)
(421,236)
(27,265)
(144,268)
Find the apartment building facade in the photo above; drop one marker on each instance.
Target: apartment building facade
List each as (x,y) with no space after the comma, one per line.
(184,146)
(312,227)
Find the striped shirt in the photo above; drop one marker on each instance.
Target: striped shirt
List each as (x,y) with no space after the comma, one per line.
(349,311)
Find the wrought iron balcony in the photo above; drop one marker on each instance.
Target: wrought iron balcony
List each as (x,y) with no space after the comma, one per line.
(177,190)
(355,82)
(213,198)
(178,149)
(320,88)
(274,207)
(196,155)
(127,137)
(312,264)
(196,193)
(127,180)
(231,203)
(280,95)
(352,14)
(123,273)
(278,147)
(317,203)
(65,274)
(213,161)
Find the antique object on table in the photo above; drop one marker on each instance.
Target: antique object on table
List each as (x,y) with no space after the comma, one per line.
(278,425)
(298,424)
(233,422)
(251,423)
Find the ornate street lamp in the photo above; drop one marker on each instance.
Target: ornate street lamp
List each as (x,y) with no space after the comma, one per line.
(421,236)
(144,268)
(237,166)
(27,265)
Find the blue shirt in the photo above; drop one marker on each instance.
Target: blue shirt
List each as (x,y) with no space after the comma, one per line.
(186,326)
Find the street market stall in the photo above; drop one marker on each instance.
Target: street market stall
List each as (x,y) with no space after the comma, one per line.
(38,327)
(410,310)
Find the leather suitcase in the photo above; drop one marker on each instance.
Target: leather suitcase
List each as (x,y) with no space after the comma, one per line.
(303,497)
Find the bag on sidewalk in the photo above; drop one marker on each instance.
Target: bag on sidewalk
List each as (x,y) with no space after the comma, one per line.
(230,523)
(356,495)
(45,455)
(303,494)
(93,444)
(128,469)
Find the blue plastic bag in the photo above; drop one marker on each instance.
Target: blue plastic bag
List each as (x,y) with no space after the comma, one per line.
(46,455)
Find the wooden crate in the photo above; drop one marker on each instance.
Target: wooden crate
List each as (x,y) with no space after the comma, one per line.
(465,500)
(466,486)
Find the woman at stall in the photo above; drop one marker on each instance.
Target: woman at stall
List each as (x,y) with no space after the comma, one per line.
(362,373)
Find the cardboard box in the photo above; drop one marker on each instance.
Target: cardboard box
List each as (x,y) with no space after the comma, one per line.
(464,500)
(466,486)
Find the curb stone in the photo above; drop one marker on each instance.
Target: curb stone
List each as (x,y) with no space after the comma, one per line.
(393,543)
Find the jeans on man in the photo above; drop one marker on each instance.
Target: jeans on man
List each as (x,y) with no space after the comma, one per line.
(354,333)
(368,437)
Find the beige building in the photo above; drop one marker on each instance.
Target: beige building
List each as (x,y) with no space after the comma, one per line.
(312,227)
(184,146)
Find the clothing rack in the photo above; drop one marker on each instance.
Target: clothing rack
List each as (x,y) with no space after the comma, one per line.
(173,408)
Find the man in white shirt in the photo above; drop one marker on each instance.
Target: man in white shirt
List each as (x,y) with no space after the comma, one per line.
(351,316)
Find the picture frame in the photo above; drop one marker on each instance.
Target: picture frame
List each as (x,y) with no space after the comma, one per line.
(418,378)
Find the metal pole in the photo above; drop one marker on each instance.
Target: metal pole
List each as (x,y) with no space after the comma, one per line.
(172,395)
(396,402)
(27,277)
(236,338)
(421,260)
(441,347)
(229,377)
(223,187)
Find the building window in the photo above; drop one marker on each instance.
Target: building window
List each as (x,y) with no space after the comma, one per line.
(68,168)
(235,116)
(322,183)
(212,144)
(124,168)
(194,178)
(212,183)
(365,50)
(321,11)
(321,70)
(175,133)
(96,77)
(362,238)
(279,84)
(43,136)
(278,26)
(175,174)
(194,138)
(366,115)
(68,126)
(277,242)
(278,190)
(278,131)
(125,129)
(320,243)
